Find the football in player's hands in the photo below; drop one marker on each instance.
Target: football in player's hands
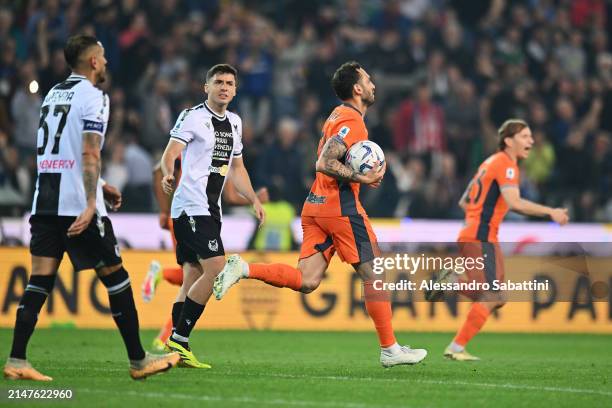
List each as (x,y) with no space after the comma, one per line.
(364,156)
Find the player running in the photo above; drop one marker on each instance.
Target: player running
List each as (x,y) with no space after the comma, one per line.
(333,218)
(492,192)
(68,212)
(209,139)
(174,274)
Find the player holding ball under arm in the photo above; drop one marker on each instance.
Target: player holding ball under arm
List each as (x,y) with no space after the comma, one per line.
(333,219)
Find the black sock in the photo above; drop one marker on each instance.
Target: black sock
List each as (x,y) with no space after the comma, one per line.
(32,301)
(124,312)
(176,313)
(189,316)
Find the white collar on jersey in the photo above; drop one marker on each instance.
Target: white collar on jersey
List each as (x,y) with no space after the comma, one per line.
(73,75)
(215,114)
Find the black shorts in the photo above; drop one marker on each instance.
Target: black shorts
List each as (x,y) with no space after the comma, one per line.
(197,237)
(93,248)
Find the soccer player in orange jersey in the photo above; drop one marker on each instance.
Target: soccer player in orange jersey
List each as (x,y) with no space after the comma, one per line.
(174,274)
(492,192)
(333,219)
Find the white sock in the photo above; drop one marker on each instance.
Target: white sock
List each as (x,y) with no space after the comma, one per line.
(245,270)
(392,349)
(456,348)
(180,338)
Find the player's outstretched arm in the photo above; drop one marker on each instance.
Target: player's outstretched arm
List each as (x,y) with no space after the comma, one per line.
(516,203)
(173,150)
(329,163)
(91,174)
(242,182)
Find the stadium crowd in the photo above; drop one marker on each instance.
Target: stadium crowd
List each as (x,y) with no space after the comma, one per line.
(447,73)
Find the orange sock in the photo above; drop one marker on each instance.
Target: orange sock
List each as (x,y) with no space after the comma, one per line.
(379,308)
(166,331)
(279,275)
(174,275)
(476,318)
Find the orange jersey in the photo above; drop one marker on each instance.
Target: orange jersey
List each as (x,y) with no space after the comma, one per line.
(329,197)
(485,205)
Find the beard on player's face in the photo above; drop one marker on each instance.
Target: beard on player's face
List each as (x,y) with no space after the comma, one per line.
(101,77)
(368,100)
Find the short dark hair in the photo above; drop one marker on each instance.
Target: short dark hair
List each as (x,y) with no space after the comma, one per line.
(508,129)
(76,46)
(345,78)
(222,69)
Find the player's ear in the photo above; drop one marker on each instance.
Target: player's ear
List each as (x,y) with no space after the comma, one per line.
(357,89)
(93,61)
(206,87)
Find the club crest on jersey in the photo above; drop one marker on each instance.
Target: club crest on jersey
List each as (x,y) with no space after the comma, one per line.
(509,173)
(344,130)
(235,127)
(207,124)
(213,245)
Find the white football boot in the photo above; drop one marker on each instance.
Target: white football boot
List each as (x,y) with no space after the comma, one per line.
(406,355)
(232,272)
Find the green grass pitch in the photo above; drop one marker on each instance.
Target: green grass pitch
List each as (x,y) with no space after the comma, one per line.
(306,369)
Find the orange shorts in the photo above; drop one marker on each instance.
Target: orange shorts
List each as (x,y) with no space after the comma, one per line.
(351,236)
(492,259)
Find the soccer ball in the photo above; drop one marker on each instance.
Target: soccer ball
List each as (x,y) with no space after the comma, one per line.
(364,156)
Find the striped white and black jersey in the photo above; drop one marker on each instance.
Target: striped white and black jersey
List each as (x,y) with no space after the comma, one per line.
(212,141)
(71,108)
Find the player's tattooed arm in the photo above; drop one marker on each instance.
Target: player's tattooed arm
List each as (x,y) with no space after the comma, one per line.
(91,166)
(329,161)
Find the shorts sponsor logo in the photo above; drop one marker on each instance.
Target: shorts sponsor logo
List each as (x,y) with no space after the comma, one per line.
(213,245)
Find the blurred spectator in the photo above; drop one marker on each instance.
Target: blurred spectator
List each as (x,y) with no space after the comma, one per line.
(25,109)
(540,164)
(255,63)
(15,182)
(154,92)
(116,172)
(54,73)
(280,164)
(462,116)
(137,193)
(419,126)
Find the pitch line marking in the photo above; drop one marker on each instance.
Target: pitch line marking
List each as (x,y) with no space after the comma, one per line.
(244,400)
(417,380)
(439,382)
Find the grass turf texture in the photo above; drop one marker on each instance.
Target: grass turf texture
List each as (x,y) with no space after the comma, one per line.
(306,369)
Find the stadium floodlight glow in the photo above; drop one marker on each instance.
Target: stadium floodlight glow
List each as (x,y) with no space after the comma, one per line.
(33,87)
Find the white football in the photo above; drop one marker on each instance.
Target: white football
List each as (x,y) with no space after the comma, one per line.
(364,156)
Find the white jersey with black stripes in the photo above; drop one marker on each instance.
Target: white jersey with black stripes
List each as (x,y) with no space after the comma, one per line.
(70,109)
(211,142)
